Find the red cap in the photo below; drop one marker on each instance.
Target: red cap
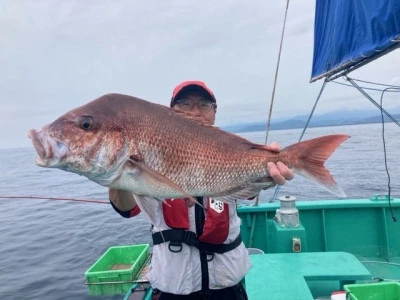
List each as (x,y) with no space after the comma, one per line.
(189,86)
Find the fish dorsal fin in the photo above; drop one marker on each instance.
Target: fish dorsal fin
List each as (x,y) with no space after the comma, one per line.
(157,179)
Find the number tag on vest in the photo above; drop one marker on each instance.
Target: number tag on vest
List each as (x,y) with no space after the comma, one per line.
(217,206)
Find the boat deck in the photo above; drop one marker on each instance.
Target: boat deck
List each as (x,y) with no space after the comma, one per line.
(286,275)
(360,227)
(383,269)
(306,275)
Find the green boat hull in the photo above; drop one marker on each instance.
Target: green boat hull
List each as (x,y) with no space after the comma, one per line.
(337,245)
(329,229)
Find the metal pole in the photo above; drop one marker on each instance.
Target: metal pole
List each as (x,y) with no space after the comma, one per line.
(372,100)
(272,199)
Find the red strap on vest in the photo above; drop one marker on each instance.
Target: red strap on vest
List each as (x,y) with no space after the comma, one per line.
(176,213)
(216,224)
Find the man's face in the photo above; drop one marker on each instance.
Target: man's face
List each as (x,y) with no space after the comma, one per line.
(197,104)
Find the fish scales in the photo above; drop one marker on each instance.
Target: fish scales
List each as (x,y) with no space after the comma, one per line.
(190,154)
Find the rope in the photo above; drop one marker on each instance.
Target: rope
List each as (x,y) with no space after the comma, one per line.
(383,111)
(54,198)
(276,76)
(274,87)
(363,87)
(376,83)
(384,152)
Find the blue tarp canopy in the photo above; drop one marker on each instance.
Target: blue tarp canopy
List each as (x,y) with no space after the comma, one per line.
(350,33)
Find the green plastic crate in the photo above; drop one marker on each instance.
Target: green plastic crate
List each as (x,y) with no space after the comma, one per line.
(373,291)
(114,272)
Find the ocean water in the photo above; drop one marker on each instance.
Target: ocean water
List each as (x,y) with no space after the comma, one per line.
(47,245)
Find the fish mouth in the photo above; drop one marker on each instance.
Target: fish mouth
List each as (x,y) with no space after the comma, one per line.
(49,150)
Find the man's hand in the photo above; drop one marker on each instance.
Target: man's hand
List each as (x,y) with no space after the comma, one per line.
(279,172)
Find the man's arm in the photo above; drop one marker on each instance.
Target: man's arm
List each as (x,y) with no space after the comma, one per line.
(123,202)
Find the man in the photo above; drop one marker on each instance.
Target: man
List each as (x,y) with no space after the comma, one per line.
(197,252)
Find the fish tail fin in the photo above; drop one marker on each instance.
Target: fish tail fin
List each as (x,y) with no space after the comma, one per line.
(311,156)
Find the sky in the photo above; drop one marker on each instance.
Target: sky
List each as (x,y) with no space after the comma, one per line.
(57,55)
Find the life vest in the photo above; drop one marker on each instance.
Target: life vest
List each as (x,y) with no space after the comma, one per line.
(212,228)
(216,223)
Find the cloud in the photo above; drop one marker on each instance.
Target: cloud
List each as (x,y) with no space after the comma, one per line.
(61,54)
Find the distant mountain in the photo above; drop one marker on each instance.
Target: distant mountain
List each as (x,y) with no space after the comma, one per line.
(342,117)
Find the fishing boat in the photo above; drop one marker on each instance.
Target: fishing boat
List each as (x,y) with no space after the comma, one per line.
(325,249)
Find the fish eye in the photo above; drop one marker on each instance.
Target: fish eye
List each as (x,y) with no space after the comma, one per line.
(86,123)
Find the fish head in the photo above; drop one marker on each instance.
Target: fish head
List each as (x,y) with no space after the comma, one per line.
(87,140)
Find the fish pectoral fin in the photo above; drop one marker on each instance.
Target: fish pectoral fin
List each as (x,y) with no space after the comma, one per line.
(157,179)
(244,193)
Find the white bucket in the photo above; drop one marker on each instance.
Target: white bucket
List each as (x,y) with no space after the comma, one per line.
(254,251)
(338,295)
